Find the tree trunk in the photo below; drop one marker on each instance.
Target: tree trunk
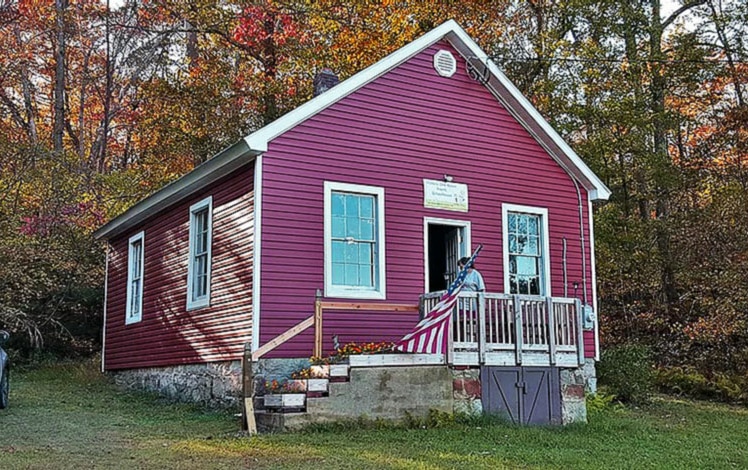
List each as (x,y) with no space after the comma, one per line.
(59,121)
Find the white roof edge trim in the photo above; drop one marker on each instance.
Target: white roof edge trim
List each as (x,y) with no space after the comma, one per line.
(598,191)
(217,167)
(259,139)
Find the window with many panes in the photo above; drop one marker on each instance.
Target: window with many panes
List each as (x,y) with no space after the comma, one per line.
(354,245)
(135,257)
(525,250)
(198,272)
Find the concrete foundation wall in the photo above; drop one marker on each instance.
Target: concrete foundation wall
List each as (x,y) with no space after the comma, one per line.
(381,392)
(217,384)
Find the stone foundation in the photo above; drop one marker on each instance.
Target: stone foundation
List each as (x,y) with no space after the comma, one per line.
(217,384)
(466,390)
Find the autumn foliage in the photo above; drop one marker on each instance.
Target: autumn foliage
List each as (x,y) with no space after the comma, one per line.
(99,108)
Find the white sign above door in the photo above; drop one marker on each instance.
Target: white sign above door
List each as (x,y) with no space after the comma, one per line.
(443,195)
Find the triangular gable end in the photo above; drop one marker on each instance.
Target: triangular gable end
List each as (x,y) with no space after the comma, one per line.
(256,143)
(484,69)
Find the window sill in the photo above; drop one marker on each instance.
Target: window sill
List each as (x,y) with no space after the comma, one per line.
(354,294)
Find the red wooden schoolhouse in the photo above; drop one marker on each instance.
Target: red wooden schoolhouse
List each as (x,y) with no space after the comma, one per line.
(367,194)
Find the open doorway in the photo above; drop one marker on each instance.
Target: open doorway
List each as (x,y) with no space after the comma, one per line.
(445,242)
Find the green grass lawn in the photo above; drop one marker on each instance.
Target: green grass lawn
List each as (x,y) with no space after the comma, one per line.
(70,417)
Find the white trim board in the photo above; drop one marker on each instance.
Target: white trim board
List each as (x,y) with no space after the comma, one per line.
(129,318)
(543,212)
(192,303)
(350,292)
(591,241)
(439,221)
(257,254)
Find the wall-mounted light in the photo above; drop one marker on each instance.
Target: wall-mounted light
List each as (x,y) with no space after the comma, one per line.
(448,178)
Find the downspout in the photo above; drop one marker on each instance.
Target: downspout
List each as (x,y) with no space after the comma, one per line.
(106,288)
(581,236)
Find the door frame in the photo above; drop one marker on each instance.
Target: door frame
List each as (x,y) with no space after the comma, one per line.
(465,224)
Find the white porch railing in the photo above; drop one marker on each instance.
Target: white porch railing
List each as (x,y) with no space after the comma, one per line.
(505,329)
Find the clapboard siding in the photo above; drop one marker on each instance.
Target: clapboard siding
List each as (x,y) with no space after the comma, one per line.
(407,125)
(169,334)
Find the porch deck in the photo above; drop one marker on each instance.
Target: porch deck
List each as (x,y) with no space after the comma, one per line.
(510,330)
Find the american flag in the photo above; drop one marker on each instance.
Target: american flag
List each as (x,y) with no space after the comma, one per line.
(430,335)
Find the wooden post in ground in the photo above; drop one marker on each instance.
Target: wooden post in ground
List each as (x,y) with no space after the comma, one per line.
(248,387)
(317,326)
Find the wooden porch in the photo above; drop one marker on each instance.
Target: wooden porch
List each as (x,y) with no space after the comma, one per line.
(512,330)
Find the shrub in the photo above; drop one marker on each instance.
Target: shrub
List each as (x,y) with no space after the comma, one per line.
(628,372)
(689,382)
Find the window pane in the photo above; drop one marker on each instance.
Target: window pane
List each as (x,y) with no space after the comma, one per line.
(534,286)
(365,276)
(512,243)
(367,229)
(512,223)
(338,227)
(522,224)
(532,246)
(351,253)
(338,274)
(532,225)
(338,204)
(364,254)
(352,229)
(338,251)
(527,266)
(351,275)
(351,205)
(367,206)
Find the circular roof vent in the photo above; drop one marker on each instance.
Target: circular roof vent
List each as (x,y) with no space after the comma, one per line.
(445,63)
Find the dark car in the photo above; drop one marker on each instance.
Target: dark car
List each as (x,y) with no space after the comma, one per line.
(4,370)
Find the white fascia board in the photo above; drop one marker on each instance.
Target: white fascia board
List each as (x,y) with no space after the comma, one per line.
(518,105)
(259,140)
(212,170)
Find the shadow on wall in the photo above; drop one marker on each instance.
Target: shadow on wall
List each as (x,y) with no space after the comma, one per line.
(217,332)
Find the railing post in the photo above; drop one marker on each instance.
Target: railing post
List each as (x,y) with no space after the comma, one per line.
(450,340)
(551,329)
(248,386)
(580,333)
(317,326)
(518,328)
(481,333)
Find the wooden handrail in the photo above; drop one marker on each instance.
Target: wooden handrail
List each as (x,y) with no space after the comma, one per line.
(320,305)
(282,338)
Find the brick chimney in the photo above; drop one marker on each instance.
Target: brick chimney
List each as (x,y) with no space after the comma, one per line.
(324,80)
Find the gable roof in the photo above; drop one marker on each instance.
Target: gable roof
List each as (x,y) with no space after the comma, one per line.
(246,149)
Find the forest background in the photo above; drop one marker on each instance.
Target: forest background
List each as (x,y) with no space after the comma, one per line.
(102,104)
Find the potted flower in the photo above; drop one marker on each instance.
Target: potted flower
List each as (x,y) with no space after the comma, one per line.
(315,378)
(284,395)
(330,367)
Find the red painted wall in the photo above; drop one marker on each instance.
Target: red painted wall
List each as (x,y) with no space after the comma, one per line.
(168,334)
(405,126)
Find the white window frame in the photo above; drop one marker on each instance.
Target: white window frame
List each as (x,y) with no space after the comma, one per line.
(204,301)
(545,234)
(355,292)
(129,317)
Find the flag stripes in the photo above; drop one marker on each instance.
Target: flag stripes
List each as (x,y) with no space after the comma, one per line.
(430,334)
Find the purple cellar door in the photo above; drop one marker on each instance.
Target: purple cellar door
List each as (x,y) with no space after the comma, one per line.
(500,391)
(526,395)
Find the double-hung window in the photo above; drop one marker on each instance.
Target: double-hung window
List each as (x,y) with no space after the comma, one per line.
(135,258)
(526,258)
(198,269)
(354,241)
